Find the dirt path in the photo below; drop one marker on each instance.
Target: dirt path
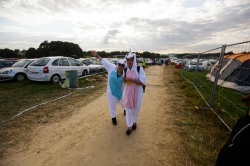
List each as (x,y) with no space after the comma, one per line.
(89,138)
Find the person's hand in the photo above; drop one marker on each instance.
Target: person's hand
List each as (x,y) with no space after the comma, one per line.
(128,80)
(93,52)
(124,79)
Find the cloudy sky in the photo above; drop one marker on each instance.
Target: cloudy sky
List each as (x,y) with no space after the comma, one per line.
(160,26)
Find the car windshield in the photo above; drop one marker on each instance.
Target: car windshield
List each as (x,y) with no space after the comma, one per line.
(21,63)
(6,63)
(40,62)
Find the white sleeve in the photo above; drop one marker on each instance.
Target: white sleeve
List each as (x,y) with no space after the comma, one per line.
(142,76)
(108,66)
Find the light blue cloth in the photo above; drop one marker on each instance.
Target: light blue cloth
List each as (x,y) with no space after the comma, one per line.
(115,85)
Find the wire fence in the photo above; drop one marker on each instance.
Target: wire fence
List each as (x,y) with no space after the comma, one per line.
(222,78)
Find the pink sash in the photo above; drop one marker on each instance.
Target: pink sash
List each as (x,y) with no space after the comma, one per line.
(130,91)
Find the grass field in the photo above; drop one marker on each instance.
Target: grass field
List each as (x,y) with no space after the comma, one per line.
(18,96)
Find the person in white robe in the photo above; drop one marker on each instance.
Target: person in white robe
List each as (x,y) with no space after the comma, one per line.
(114,84)
(133,91)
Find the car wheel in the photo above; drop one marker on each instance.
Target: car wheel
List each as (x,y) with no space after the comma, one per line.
(55,79)
(20,77)
(84,73)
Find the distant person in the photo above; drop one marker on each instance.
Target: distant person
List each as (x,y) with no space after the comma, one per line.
(236,151)
(133,91)
(114,84)
(166,62)
(144,64)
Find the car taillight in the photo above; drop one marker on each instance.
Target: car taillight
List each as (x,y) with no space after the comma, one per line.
(46,69)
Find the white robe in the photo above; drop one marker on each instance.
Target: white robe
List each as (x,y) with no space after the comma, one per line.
(132,115)
(112,100)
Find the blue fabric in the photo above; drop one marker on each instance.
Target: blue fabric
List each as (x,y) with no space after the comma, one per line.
(115,85)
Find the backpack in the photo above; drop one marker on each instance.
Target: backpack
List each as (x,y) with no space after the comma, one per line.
(138,70)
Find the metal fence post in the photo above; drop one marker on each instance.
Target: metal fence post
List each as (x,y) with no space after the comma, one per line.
(217,75)
(196,69)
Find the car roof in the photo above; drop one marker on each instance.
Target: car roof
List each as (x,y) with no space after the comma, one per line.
(54,57)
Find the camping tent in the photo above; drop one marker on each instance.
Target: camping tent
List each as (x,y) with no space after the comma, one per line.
(235,72)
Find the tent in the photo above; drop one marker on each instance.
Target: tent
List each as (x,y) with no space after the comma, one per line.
(235,72)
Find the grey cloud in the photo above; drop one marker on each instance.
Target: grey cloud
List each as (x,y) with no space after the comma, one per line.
(180,33)
(17,40)
(113,32)
(110,35)
(105,40)
(126,1)
(40,6)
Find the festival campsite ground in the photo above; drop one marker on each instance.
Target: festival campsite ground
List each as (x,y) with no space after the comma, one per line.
(169,131)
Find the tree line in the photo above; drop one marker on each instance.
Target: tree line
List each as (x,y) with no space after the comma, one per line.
(59,48)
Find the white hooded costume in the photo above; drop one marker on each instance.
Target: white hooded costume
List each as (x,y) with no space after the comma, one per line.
(133,93)
(114,86)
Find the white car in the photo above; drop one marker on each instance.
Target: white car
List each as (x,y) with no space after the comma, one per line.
(17,72)
(191,66)
(208,64)
(53,68)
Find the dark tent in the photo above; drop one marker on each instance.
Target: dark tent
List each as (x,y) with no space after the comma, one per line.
(235,72)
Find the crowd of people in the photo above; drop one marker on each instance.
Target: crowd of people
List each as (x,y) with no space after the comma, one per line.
(125,86)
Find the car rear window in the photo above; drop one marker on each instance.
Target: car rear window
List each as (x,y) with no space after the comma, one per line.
(55,63)
(40,62)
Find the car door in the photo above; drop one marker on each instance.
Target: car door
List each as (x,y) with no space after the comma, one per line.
(76,65)
(64,66)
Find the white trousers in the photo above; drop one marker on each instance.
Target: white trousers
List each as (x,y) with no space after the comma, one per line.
(132,115)
(112,100)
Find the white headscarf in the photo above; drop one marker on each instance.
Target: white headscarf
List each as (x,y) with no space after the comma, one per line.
(130,55)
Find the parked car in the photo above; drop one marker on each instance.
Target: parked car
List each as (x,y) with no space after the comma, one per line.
(17,72)
(191,66)
(86,61)
(114,61)
(149,62)
(93,66)
(208,64)
(6,63)
(53,68)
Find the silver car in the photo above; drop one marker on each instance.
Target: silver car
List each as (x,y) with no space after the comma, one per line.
(17,72)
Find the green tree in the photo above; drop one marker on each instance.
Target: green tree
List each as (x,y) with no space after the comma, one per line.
(32,53)
(7,53)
